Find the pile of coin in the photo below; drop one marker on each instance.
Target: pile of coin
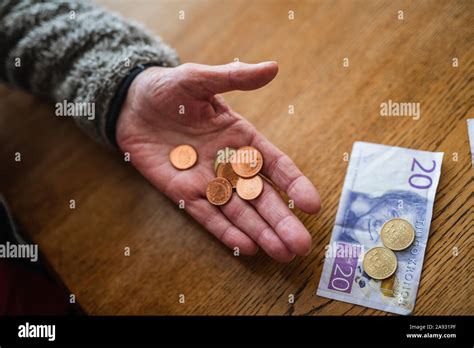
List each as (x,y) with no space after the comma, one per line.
(236,169)
(381,262)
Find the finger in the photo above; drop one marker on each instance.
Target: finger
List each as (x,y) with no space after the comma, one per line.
(287,226)
(212,219)
(219,105)
(244,216)
(286,175)
(229,77)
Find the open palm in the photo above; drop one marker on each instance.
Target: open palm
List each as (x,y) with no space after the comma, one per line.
(166,107)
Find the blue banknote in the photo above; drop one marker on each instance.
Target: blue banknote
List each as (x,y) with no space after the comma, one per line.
(382,183)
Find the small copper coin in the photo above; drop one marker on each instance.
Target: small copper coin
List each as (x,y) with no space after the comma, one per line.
(247,161)
(183,157)
(249,189)
(223,155)
(219,191)
(224,170)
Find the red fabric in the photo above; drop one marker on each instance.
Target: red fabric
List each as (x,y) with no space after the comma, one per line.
(26,292)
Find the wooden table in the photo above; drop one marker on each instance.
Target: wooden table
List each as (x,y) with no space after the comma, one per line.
(402,60)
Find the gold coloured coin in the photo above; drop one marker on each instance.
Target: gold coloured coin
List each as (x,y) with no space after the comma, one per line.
(224,170)
(183,157)
(247,161)
(219,191)
(380,263)
(388,286)
(249,189)
(397,234)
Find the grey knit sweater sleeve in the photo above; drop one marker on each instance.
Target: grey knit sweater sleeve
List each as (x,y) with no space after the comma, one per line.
(73,52)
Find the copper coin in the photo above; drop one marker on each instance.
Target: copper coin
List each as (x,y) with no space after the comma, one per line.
(183,156)
(249,188)
(219,191)
(247,161)
(224,170)
(223,156)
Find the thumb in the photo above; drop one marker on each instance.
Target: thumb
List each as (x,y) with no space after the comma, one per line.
(234,76)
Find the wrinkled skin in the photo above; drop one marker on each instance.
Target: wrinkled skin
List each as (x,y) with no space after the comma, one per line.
(150,126)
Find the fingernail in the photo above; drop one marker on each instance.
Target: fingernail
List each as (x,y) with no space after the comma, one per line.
(267,62)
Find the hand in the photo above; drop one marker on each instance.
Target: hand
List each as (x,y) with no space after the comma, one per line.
(150,126)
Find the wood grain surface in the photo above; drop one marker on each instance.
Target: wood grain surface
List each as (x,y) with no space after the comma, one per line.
(406,60)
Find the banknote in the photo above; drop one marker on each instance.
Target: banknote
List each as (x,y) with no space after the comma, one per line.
(470,132)
(382,182)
